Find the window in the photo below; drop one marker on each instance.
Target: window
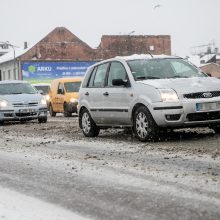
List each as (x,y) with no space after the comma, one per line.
(16,88)
(3,75)
(9,74)
(117,71)
(182,68)
(99,79)
(151,48)
(162,69)
(60,89)
(72,86)
(90,84)
(15,76)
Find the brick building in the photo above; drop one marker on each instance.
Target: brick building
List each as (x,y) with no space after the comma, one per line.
(61,54)
(211,68)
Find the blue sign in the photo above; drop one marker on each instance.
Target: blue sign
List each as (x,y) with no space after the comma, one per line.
(47,71)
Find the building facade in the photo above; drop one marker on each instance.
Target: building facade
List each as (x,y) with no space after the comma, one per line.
(61,54)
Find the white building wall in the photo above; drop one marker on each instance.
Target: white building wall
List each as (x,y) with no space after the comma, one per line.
(8,72)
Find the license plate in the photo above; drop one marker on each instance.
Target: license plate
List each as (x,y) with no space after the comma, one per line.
(208,106)
(26,110)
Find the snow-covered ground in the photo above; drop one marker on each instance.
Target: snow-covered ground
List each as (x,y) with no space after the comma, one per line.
(113,176)
(16,206)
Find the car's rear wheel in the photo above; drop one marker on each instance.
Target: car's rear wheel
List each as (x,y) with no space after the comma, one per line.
(52,113)
(66,111)
(87,124)
(2,123)
(145,127)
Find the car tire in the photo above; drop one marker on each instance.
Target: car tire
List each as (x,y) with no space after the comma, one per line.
(216,128)
(42,119)
(52,113)
(65,111)
(145,128)
(87,124)
(2,123)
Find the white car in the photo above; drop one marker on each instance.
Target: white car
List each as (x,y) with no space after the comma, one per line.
(43,88)
(19,101)
(147,93)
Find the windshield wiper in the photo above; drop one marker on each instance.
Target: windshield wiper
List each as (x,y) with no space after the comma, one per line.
(16,93)
(146,77)
(177,77)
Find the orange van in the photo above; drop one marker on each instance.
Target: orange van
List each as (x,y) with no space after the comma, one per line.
(63,96)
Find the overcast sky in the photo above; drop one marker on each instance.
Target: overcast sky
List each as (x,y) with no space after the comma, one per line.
(189,22)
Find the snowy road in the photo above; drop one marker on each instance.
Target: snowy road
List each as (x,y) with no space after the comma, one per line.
(110,177)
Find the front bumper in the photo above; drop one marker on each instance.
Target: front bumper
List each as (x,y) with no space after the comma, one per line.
(185,113)
(24,113)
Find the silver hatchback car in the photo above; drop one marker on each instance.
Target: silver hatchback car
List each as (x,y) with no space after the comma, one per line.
(19,101)
(147,93)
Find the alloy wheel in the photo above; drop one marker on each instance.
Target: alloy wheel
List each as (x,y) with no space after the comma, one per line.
(142,125)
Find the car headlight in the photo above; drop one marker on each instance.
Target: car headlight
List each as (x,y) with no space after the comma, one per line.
(73,100)
(3,103)
(168,95)
(47,97)
(43,101)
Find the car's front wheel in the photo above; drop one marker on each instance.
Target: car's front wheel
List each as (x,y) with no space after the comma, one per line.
(66,111)
(42,119)
(145,127)
(52,113)
(87,124)
(216,128)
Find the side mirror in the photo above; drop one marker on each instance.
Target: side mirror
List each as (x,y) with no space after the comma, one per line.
(119,82)
(60,91)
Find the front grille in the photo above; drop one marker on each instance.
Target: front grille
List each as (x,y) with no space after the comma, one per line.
(26,114)
(8,115)
(200,95)
(203,116)
(30,104)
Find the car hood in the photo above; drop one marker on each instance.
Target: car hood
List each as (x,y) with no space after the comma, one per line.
(21,98)
(186,85)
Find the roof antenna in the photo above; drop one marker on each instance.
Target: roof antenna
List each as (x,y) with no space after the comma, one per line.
(150,54)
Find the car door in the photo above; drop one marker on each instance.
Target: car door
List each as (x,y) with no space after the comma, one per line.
(60,97)
(117,99)
(94,92)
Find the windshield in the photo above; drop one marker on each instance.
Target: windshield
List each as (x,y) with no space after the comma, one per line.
(162,69)
(72,86)
(16,88)
(45,89)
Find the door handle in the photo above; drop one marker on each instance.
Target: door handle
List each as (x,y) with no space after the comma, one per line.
(106,94)
(86,93)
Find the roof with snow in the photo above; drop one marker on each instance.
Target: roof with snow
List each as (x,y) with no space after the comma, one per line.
(144,56)
(206,58)
(10,55)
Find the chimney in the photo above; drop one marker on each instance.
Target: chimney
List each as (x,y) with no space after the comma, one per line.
(209,50)
(25,45)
